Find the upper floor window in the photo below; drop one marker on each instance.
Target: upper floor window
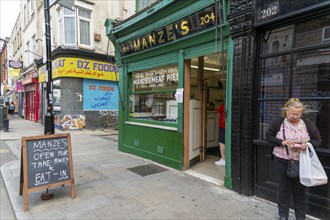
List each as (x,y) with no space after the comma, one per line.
(84,27)
(67,26)
(75,27)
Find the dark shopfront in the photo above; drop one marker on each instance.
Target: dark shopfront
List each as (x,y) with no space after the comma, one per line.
(286,53)
(174,59)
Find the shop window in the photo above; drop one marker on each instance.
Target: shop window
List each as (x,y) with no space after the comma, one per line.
(301,69)
(152,96)
(313,32)
(275,72)
(57,96)
(311,74)
(280,39)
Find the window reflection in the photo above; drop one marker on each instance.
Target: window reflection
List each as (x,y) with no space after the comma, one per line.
(312,32)
(280,40)
(269,110)
(323,122)
(275,72)
(311,74)
(304,74)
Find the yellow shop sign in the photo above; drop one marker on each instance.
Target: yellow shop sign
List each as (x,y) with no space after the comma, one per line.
(80,68)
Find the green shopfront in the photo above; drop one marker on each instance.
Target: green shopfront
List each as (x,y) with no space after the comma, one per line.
(174,60)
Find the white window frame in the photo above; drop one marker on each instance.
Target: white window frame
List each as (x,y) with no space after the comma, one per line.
(62,17)
(324,39)
(61,28)
(79,18)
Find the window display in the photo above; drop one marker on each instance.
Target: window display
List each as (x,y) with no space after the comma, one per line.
(153,94)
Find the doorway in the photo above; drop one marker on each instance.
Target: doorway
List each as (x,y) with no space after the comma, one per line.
(207,93)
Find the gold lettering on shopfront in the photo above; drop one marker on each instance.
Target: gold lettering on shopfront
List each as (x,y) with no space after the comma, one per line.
(185,28)
(206,19)
(137,45)
(160,35)
(152,40)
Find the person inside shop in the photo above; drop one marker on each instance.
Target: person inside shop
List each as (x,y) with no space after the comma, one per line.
(210,106)
(222,124)
(12,108)
(289,135)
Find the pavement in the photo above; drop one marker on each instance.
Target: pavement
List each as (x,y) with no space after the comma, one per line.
(107,189)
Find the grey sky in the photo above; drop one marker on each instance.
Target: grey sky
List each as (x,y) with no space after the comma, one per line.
(9,10)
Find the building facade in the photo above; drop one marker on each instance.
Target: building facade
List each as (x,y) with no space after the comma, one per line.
(76,28)
(174,60)
(85,91)
(265,54)
(281,51)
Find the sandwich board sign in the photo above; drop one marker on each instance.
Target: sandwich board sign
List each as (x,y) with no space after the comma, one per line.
(46,162)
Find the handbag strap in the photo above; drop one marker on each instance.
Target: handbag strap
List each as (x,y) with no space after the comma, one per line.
(286,146)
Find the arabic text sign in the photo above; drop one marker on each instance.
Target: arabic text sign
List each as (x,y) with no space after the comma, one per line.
(100,95)
(80,68)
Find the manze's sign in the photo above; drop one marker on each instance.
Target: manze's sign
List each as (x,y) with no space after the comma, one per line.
(46,162)
(199,21)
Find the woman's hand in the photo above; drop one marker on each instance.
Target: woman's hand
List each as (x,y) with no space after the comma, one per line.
(303,146)
(294,145)
(289,143)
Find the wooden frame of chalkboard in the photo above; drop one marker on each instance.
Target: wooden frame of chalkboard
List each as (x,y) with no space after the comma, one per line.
(47,162)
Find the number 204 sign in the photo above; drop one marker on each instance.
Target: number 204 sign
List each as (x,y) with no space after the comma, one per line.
(46,162)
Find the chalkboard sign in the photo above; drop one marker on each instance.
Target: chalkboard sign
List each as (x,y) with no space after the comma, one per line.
(46,162)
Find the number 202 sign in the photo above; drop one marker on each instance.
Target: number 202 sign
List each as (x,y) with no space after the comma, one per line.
(270,11)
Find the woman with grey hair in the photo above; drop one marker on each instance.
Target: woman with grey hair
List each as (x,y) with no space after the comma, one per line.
(289,135)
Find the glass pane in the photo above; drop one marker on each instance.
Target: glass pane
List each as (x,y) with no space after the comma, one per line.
(68,11)
(313,32)
(269,111)
(57,96)
(275,73)
(323,123)
(156,79)
(69,30)
(319,113)
(84,13)
(277,40)
(157,107)
(84,32)
(311,74)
